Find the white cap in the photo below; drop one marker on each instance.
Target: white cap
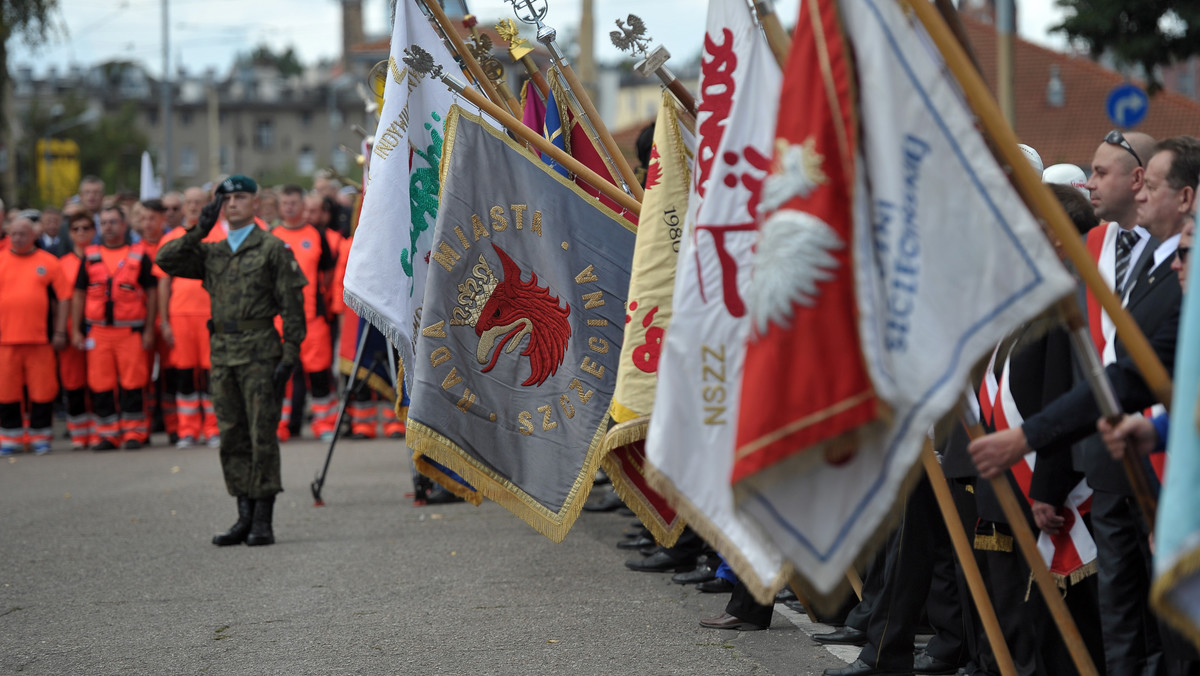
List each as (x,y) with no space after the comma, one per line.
(1035,160)
(1066,174)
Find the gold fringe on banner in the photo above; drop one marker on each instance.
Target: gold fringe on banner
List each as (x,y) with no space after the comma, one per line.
(489,484)
(1186,566)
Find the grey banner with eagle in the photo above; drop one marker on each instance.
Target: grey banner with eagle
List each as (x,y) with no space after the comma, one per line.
(521,330)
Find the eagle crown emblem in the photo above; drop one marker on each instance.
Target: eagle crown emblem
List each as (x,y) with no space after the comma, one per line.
(511,310)
(474,293)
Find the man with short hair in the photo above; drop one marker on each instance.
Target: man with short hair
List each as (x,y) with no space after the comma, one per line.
(1165,201)
(193,201)
(173,204)
(30,281)
(252,278)
(115,294)
(91,194)
(316,261)
(161,392)
(50,237)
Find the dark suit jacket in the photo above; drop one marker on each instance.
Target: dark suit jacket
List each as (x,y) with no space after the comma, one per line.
(1154,303)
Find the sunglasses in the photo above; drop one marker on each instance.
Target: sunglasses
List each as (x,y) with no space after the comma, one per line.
(1116,138)
(1183,252)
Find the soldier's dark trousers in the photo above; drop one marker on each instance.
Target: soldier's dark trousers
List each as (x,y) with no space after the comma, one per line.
(247,409)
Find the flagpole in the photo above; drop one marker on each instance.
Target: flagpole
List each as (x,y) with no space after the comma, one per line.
(966,557)
(463,53)
(1071,317)
(480,42)
(1040,200)
(1033,558)
(577,97)
(1043,204)
(777,38)
(591,119)
(518,127)
(519,51)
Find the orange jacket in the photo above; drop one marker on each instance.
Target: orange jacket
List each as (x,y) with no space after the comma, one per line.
(115,299)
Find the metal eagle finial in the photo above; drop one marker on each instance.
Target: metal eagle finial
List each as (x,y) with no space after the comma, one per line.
(421,62)
(632,36)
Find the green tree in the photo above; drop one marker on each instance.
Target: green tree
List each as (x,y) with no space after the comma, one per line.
(31,20)
(1146,33)
(286,62)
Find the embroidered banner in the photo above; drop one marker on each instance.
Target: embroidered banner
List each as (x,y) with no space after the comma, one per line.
(521,329)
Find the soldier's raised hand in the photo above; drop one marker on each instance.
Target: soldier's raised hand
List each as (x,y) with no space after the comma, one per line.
(210,213)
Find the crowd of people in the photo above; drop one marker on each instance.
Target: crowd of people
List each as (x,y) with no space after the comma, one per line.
(1136,213)
(93,330)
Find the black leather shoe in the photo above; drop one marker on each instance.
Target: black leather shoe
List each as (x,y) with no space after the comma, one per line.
(237,533)
(924,663)
(608,503)
(661,562)
(860,668)
(842,636)
(261,532)
(727,621)
(133,445)
(717,585)
(635,543)
(104,445)
(706,569)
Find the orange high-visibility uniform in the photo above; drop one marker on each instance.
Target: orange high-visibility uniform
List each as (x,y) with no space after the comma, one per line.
(72,370)
(364,412)
(162,352)
(115,281)
(28,284)
(312,254)
(188,312)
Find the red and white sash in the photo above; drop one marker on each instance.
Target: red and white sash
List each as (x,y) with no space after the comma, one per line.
(1070,553)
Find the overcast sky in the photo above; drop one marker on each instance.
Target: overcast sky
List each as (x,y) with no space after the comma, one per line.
(209,33)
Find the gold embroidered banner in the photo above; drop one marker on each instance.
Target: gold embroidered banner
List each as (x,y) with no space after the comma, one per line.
(516,358)
(648,313)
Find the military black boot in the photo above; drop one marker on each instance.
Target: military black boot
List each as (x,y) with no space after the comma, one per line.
(260,527)
(237,533)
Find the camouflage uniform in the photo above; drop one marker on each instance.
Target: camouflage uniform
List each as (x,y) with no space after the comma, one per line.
(248,288)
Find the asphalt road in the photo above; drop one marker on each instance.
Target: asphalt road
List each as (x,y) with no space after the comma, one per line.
(108,569)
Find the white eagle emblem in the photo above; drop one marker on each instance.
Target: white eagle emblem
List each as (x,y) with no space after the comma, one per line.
(794,249)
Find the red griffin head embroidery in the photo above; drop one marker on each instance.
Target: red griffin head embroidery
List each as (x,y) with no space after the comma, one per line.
(516,309)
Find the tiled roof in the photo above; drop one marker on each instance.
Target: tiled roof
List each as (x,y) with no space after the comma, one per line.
(1071,133)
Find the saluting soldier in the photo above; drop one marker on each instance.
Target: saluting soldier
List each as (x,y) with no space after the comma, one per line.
(251,277)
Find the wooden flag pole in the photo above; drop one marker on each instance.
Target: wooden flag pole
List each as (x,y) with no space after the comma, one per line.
(966,557)
(777,38)
(1037,566)
(495,71)
(1039,198)
(517,127)
(1042,202)
(606,138)
(1072,318)
(481,78)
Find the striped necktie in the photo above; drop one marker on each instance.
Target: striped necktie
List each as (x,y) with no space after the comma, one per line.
(1126,239)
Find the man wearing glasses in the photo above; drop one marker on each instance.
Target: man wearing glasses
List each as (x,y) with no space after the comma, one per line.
(1165,199)
(173,205)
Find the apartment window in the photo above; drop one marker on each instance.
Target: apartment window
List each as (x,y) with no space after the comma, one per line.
(306,161)
(264,135)
(188,164)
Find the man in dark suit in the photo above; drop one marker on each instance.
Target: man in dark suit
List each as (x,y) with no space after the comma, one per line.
(1165,201)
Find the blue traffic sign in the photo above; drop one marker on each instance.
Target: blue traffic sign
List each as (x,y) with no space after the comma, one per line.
(1127,105)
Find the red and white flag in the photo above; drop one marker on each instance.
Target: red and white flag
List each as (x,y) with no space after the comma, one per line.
(690,442)
(946,260)
(806,385)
